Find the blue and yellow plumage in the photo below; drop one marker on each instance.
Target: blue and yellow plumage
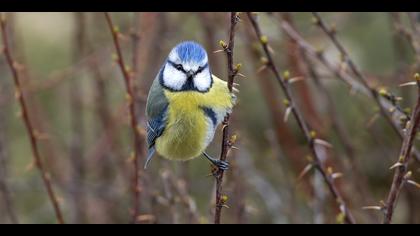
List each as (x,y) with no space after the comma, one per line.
(185,105)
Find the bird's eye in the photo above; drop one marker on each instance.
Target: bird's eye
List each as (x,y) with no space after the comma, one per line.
(178,66)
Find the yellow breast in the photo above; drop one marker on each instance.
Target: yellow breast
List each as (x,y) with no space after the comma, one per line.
(186,128)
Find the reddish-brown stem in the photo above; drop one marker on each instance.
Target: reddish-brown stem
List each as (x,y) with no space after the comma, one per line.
(226,145)
(302,124)
(133,119)
(78,131)
(26,119)
(401,171)
(384,103)
(410,35)
(296,68)
(339,129)
(4,187)
(285,139)
(373,92)
(206,20)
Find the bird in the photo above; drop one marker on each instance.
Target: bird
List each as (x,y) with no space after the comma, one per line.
(185,105)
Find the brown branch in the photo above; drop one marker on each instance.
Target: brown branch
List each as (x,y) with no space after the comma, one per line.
(78,132)
(46,178)
(402,174)
(342,136)
(410,36)
(294,61)
(285,139)
(138,142)
(309,135)
(356,71)
(385,103)
(226,142)
(209,28)
(4,187)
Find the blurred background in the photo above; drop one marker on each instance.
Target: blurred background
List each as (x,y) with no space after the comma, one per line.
(77,104)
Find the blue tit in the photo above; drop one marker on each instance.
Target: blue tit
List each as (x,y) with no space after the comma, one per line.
(185,105)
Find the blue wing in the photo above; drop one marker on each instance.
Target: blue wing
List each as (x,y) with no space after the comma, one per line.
(156,111)
(155,128)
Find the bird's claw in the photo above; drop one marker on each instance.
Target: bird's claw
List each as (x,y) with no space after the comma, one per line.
(222,165)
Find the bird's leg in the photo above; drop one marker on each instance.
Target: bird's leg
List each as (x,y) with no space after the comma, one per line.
(223,165)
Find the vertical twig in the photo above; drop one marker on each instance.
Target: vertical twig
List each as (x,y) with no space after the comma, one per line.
(26,119)
(294,61)
(137,144)
(77,141)
(226,142)
(402,175)
(339,129)
(285,139)
(4,187)
(399,47)
(207,22)
(309,134)
(5,190)
(411,36)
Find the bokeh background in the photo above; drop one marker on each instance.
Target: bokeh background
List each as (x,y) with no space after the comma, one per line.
(77,102)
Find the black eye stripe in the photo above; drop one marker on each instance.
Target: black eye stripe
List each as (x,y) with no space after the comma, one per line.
(177,66)
(201,68)
(180,68)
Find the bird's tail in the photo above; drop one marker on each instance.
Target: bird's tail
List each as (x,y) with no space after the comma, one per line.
(150,154)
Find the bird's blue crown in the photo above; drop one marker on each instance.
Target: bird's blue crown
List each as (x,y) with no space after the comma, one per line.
(190,51)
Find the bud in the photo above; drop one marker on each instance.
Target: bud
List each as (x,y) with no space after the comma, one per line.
(224,199)
(114,57)
(286,75)
(264,60)
(233,138)
(383,92)
(127,68)
(312,134)
(116,29)
(286,102)
(264,39)
(222,44)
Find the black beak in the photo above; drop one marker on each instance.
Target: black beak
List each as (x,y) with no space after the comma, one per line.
(190,74)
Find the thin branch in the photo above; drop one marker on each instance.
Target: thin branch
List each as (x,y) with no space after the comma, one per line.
(4,187)
(340,130)
(226,142)
(294,59)
(404,32)
(356,71)
(385,103)
(285,139)
(401,175)
(46,178)
(138,142)
(209,28)
(410,35)
(78,131)
(309,135)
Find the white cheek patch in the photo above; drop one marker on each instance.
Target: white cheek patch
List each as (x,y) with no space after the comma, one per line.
(202,80)
(173,78)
